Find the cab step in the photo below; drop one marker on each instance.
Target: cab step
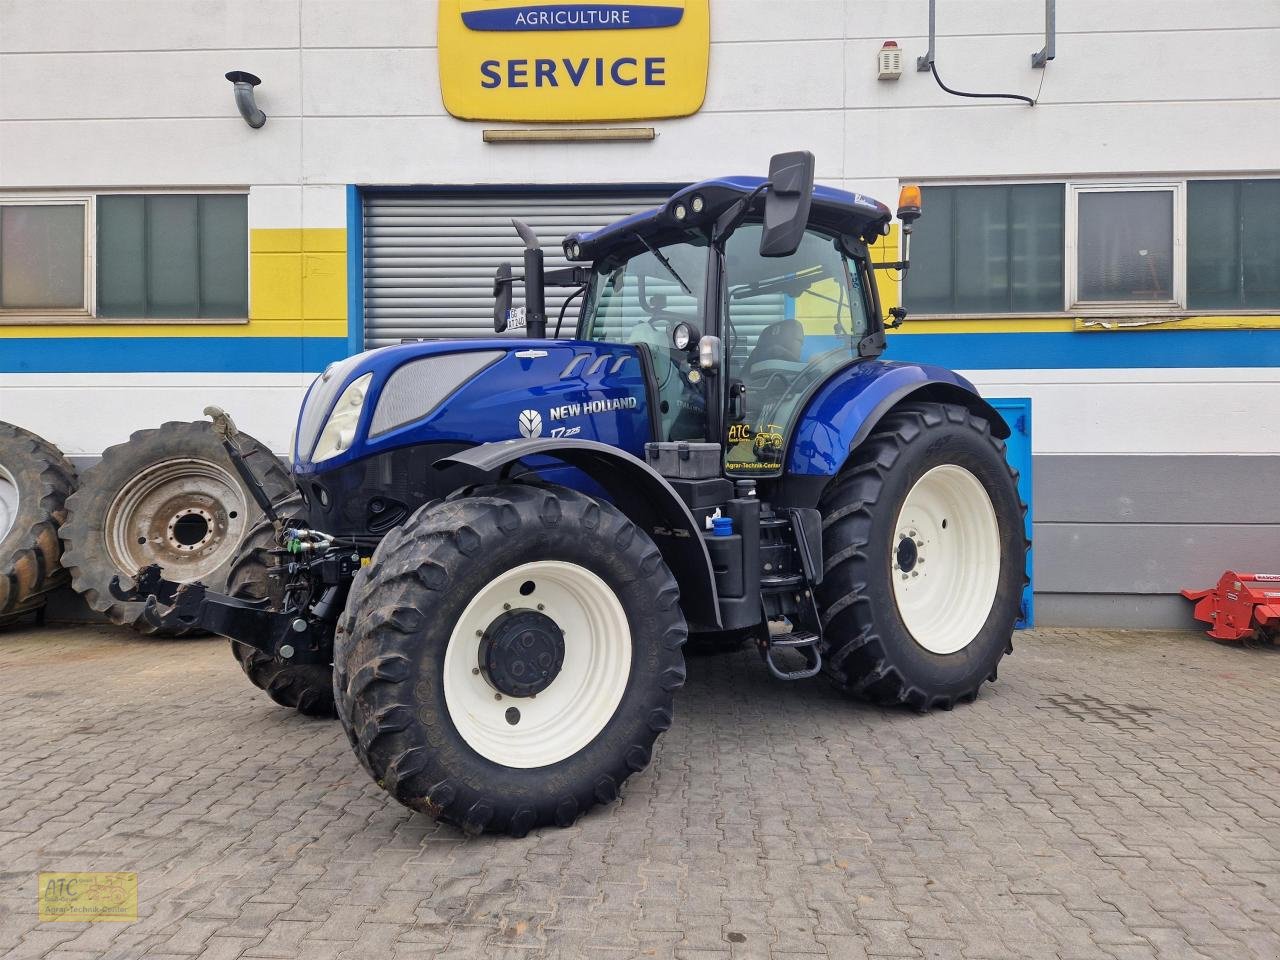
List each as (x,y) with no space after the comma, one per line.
(809,645)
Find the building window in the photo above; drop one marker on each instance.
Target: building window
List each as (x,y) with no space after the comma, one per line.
(42,256)
(1233,244)
(1124,246)
(172,255)
(125,256)
(988,249)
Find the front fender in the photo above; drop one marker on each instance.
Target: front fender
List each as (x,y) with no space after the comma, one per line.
(847,407)
(633,487)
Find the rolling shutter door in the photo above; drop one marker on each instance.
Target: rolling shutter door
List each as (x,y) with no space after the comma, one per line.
(429,258)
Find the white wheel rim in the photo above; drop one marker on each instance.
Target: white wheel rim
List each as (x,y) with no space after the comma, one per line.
(567,715)
(8,501)
(945,558)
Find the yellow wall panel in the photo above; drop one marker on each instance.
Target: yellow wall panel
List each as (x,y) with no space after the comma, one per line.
(275,240)
(324,286)
(275,286)
(324,240)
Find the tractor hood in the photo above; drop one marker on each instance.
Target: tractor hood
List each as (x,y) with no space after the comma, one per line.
(464,392)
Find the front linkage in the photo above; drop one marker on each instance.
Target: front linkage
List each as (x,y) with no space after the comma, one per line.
(315,570)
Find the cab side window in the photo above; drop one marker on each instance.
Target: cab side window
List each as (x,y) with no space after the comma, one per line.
(638,302)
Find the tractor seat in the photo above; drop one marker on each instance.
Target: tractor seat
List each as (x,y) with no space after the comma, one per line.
(777,351)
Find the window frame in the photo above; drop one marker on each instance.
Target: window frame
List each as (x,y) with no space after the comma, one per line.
(1070,253)
(27,316)
(1121,309)
(64,314)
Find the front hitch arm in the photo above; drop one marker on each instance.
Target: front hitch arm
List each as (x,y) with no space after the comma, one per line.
(187,606)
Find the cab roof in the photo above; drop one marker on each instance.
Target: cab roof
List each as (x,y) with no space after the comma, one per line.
(836,211)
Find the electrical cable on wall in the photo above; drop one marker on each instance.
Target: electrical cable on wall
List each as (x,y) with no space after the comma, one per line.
(933,67)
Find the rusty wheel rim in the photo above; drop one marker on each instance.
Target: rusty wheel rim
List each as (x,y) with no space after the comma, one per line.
(188,515)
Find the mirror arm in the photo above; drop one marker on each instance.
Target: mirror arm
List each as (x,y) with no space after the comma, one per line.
(732,218)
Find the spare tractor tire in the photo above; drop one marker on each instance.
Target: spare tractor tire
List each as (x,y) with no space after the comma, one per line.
(306,687)
(168,496)
(35,481)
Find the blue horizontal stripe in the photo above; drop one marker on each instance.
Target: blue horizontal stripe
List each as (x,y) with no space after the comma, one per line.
(170,354)
(961,351)
(1093,350)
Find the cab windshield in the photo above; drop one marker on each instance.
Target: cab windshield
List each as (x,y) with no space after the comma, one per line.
(789,321)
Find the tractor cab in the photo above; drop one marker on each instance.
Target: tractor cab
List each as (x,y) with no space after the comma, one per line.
(744,294)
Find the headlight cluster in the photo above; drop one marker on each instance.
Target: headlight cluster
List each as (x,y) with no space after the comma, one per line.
(340,429)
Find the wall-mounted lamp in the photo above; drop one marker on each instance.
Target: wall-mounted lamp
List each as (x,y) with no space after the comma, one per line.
(244,83)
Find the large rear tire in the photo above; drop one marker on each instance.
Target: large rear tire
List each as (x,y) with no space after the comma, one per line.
(509,657)
(925,558)
(35,481)
(168,496)
(305,687)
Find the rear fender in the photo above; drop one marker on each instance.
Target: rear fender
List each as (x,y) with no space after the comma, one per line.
(842,414)
(632,486)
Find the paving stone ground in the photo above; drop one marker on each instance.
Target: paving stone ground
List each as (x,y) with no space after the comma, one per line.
(1115,795)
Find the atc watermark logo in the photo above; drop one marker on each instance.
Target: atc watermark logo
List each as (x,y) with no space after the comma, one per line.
(92,897)
(538,60)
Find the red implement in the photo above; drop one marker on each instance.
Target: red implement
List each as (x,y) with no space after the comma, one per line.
(1241,606)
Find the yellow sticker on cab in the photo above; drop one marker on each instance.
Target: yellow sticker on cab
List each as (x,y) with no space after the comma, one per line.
(88,896)
(549,61)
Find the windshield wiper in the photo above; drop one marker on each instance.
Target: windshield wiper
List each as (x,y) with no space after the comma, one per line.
(666,263)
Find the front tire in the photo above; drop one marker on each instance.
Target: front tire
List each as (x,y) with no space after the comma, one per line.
(509,657)
(925,556)
(305,687)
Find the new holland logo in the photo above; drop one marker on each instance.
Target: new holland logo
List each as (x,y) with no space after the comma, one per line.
(530,424)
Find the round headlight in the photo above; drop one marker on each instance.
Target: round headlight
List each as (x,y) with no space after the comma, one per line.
(682,336)
(575,251)
(697,203)
(680,212)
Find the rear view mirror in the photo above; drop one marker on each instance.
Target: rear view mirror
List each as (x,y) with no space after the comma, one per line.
(501,297)
(786,203)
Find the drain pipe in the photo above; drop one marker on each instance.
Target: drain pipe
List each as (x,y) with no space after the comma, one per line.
(244,83)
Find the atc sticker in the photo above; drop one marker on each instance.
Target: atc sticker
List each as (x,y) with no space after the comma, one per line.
(92,897)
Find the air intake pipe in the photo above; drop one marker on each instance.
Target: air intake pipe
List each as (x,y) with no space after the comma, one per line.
(244,83)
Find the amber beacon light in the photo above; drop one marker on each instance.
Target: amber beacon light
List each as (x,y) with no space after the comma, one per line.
(909,206)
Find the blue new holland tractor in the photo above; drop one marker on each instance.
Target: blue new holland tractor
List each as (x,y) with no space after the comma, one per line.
(498,547)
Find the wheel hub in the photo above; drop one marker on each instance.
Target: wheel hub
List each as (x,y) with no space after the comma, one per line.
(522,652)
(907,553)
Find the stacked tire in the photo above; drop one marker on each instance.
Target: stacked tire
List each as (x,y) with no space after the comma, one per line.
(167,496)
(35,482)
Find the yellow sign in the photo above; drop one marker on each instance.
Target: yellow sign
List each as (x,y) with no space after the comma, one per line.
(88,896)
(538,60)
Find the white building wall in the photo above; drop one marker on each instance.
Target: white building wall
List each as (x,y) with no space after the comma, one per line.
(127,92)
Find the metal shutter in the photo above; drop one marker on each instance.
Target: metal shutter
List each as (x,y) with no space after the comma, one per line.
(429,258)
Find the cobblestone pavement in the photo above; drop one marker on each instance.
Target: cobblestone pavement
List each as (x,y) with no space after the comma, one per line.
(1115,795)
